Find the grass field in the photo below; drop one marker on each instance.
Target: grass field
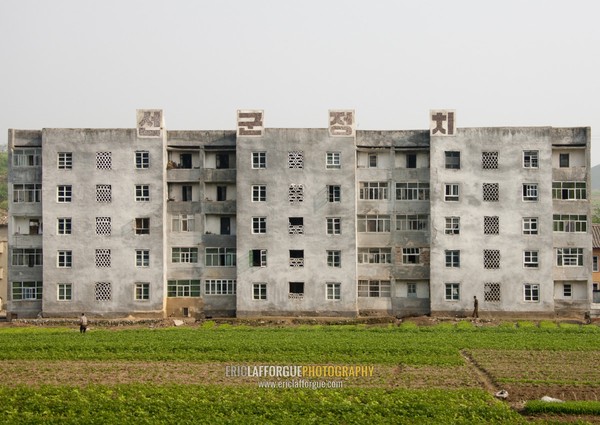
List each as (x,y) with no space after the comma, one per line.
(420,374)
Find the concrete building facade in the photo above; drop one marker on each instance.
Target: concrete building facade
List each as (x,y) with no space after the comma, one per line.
(307,222)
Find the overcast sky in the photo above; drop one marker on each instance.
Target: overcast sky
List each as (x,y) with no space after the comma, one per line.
(79,63)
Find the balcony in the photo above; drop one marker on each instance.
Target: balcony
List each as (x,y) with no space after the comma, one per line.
(218,207)
(183,174)
(218,175)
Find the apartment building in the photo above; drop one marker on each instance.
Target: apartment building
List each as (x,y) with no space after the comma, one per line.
(329,221)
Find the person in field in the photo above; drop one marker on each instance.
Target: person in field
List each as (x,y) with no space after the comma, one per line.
(475,307)
(83,322)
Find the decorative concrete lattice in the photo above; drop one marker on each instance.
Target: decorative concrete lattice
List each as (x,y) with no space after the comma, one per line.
(296,193)
(103,225)
(103,258)
(489,160)
(491,192)
(491,225)
(104,160)
(103,291)
(491,258)
(491,292)
(103,193)
(296,159)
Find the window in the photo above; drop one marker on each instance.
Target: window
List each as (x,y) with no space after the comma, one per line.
(103,258)
(258,257)
(103,193)
(412,222)
(142,193)
(411,290)
(217,257)
(452,160)
(530,191)
(452,291)
(27,157)
(142,226)
(222,161)
(374,255)
(569,223)
(63,226)
(531,292)
(411,255)
(334,258)
(259,160)
(451,192)
(373,223)
(530,225)
(142,291)
(296,258)
(491,258)
(530,259)
(65,259)
(296,291)
(187,193)
(30,257)
(372,160)
(333,291)
(64,193)
(259,193)
(452,226)
(259,291)
(27,193)
(296,159)
(563,160)
(221,193)
(569,257)
(530,159)
(567,290)
(491,225)
(332,160)
(295,225)
(183,223)
(373,190)
(103,160)
(491,192)
(183,288)
(220,286)
(296,193)
(595,267)
(374,288)
(142,258)
(489,160)
(491,292)
(185,255)
(334,226)
(185,160)
(259,225)
(24,291)
(103,291)
(452,258)
(416,191)
(411,160)
(64,292)
(103,226)
(334,193)
(142,160)
(569,191)
(65,160)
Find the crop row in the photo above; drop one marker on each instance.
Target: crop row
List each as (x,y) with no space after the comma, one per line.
(211,404)
(339,344)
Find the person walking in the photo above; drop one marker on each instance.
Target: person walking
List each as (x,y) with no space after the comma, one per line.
(83,322)
(475,307)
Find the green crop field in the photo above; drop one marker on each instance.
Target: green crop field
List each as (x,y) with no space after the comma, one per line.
(419,374)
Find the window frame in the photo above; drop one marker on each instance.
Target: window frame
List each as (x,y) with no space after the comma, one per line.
(142,193)
(531,158)
(333,160)
(142,159)
(259,160)
(333,225)
(333,291)
(64,292)
(334,258)
(452,257)
(64,225)
(530,225)
(531,292)
(531,258)
(452,160)
(259,225)
(64,193)
(451,192)
(452,291)
(141,291)
(64,160)
(259,192)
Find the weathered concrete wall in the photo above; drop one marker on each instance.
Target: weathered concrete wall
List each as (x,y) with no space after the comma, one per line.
(123,210)
(315,208)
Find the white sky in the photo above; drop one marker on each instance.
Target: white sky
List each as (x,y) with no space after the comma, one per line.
(85,63)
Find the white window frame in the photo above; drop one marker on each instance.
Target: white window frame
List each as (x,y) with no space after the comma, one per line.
(452,258)
(142,193)
(530,225)
(333,291)
(334,193)
(142,258)
(374,255)
(141,291)
(334,258)
(65,160)
(411,290)
(531,259)
(569,257)
(67,226)
(259,225)
(64,193)
(451,192)
(259,291)
(333,160)
(530,192)
(64,292)
(259,160)
(531,292)
(142,160)
(259,193)
(64,259)
(373,191)
(334,225)
(408,254)
(220,286)
(567,290)
(531,158)
(373,223)
(452,225)
(452,291)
